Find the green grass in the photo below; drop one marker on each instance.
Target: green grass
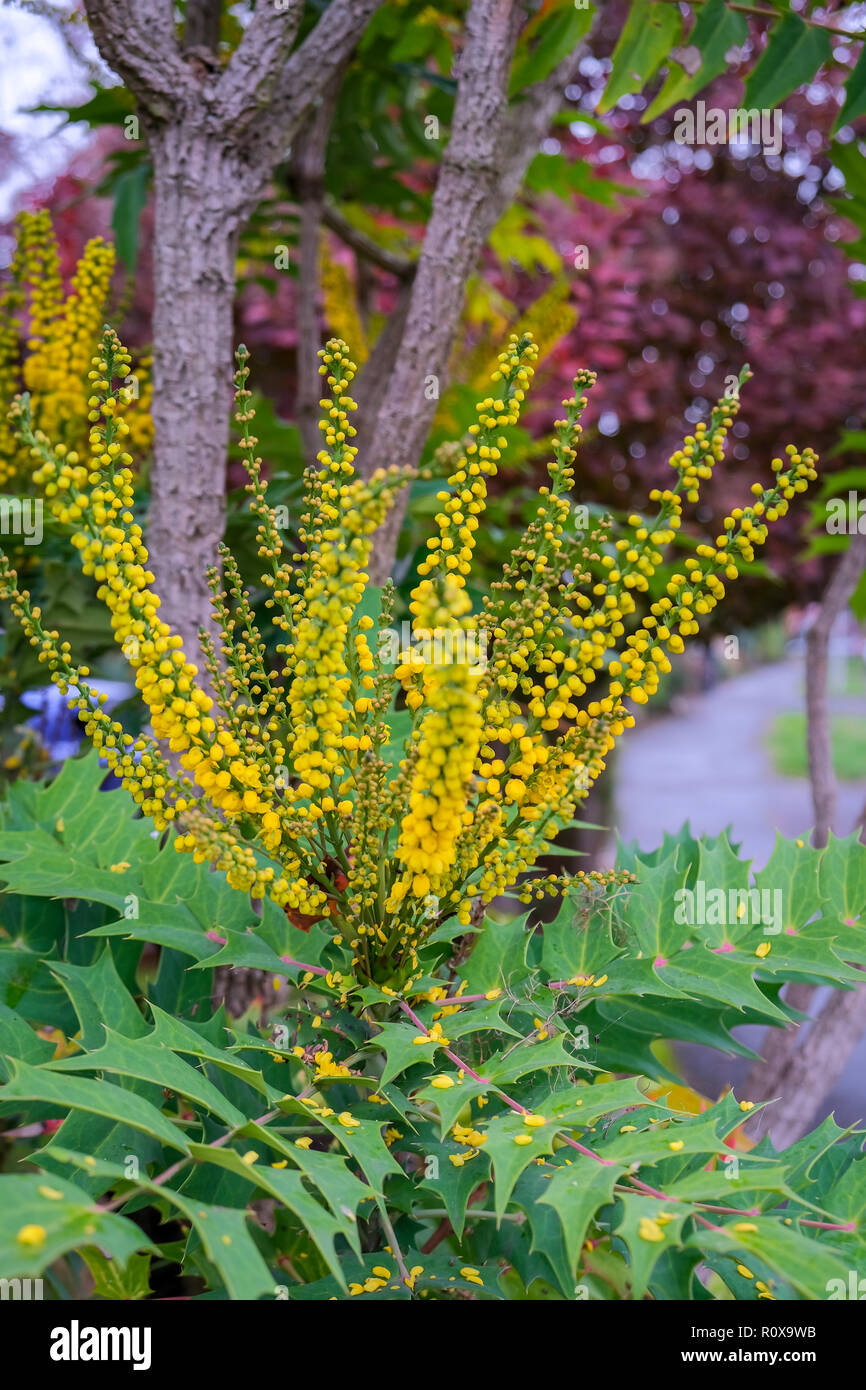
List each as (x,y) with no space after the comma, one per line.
(787,745)
(853,678)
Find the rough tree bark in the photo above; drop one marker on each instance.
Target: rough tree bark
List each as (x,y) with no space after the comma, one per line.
(215,135)
(195,247)
(801,1070)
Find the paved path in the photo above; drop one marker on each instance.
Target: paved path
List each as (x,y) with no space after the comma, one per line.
(709,764)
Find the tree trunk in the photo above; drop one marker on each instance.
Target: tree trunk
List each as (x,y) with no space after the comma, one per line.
(195,245)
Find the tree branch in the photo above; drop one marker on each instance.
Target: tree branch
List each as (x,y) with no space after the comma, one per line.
(251,77)
(364,245)
(137,40)
(289,92)
(815,1067)
(457,229)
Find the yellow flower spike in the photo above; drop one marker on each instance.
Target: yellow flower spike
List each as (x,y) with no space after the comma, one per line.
(442,1083)
(763,949)
(523,1138)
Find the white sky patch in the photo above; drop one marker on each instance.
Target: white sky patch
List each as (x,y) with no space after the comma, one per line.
(36,68)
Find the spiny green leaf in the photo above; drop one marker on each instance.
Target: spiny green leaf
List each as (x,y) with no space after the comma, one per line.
(117,1282)
(228,1243)
(95,1097)
(797,1259)
(648,1227)
(44,1218)
(146,1062)
(287,1186)
(100,999)
(576,1191)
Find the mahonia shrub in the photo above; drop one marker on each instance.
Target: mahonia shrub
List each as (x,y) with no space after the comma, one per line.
(283,777)
(448,1100)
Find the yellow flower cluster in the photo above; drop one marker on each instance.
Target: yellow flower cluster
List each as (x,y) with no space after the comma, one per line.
(387,799)
(62,335)
(452,729)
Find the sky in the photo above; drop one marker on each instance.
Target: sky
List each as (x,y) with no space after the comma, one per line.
(37,68)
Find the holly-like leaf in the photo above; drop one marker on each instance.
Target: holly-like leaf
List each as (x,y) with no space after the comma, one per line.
(648,1227)
(95,1097)
(42,1218)
(576,1192)
(799,1260)
(117,1282)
